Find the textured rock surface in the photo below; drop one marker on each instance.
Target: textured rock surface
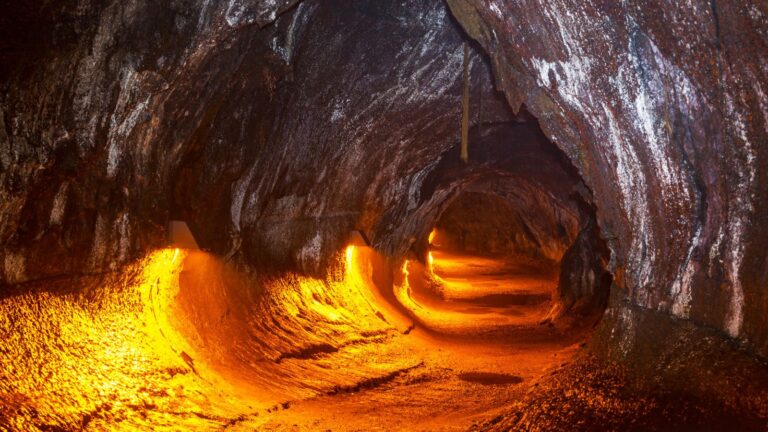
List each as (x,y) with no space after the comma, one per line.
(662,108)
(190,129)
(104,112)
(587,395)
(584,283)
(274,129)
(271,143)
(487,224)
(518,195)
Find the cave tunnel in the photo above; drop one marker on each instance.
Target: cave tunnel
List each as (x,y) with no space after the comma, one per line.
(427,215)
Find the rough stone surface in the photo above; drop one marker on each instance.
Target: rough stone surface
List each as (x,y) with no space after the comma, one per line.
(271,143)
(273,129)
(662,108)
(483,223)
(584,283)
(517,195)
(105,110)
(588,395)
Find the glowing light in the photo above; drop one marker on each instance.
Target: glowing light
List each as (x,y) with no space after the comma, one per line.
(403,291)
(141,351)
(432,235)
(66,355)
(431,262)
(350,255)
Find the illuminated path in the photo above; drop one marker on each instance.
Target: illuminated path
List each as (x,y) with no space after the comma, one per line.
(182,341)
(480,348)
(476,295)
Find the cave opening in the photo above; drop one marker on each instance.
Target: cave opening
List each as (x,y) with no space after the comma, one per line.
(511,247)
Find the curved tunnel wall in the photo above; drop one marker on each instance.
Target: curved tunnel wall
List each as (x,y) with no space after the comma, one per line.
(182,339)
(190,130)
(658,136)
(482,223)
(102,142)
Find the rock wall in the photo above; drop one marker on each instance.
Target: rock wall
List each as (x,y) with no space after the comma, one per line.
(274,128)
(662,107)
(271,135)
(484,223)
(517,195)
(585,283)
(374,103)
(104,107)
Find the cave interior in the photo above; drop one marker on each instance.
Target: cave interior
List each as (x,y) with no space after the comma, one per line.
(427,215)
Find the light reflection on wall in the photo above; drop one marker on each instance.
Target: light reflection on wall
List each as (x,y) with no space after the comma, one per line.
(104,356)
(403,291)
(171,342)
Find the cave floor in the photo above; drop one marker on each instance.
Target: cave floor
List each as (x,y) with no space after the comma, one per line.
(478,295)
(109,357)
(456,386)
(486,372)
(484,350)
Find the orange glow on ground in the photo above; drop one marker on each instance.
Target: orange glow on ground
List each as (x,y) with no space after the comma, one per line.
(105,356)
(183,341)
(453,340)
(172,344)
(470,276)
(462,294)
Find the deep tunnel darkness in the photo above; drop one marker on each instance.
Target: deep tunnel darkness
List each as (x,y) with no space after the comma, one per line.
(598,263)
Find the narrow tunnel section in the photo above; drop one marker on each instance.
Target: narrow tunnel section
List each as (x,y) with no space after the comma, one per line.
(487,256)
(513,235)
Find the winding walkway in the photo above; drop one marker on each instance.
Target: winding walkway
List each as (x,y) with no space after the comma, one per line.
(481,345)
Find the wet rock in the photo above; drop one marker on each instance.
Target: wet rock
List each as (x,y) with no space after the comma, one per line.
(584,283)
(661,107)
(271,143)
(275,128)
(98,124)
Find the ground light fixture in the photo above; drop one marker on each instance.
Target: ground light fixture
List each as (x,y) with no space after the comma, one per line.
(180,236)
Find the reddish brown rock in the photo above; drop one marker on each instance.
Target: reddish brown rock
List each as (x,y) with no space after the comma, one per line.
(273,128)
(661,106)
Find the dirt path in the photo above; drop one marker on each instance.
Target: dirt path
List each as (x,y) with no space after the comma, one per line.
(469,295)
(482,348)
